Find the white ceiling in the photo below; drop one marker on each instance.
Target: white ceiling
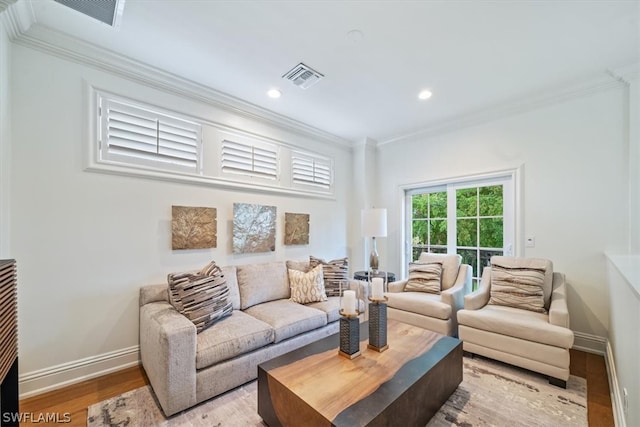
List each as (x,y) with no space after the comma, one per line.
(473,55)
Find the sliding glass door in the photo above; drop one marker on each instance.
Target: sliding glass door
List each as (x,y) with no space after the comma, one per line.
(473,218)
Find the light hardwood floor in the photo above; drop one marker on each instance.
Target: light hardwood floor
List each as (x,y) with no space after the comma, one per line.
(77,398)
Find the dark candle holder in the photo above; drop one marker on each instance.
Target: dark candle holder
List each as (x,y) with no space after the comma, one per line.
(350,325)
(349,335)
(378,325)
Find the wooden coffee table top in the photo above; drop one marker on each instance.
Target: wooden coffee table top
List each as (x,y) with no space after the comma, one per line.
(317,382)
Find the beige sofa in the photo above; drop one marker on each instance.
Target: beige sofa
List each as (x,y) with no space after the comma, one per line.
(436,312)
(538,341)
(186,368)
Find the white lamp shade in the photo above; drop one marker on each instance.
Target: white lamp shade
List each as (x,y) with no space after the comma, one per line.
(374,222)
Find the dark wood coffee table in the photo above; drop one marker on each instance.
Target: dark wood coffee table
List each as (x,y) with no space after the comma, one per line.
(404,385)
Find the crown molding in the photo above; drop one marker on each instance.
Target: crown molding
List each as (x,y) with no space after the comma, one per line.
(33,35)
(626,73)
(367,144)
(18,15)
(520,105)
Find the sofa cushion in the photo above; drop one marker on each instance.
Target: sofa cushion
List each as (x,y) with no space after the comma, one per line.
(230,274)
(517,323)
(424,277)
(331,306)
(231,337)
(298,265)
(334,272)
(519,286)
(262,282)
(422,303)
(288,318)
(307,287)
(203,296)
(450,266)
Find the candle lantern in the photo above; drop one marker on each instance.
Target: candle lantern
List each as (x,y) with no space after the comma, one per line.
(377,313)
(350,310)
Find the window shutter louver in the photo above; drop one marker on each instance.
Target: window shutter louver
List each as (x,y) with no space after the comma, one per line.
(249,159)
(311,171)
(135,135)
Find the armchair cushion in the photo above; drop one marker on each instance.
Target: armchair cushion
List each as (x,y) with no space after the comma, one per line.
(424,277)
(423,303)
(518,286)
(450,266)
(517,323)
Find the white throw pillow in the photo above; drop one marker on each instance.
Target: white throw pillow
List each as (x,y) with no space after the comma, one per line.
(307,287)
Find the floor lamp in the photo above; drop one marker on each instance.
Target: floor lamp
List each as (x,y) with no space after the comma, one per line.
(374,224)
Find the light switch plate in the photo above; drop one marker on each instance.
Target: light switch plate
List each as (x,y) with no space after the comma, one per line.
(530,242)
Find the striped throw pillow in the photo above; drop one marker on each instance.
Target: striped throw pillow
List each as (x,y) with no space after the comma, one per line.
(334,272)
(202,296)
(518,287)
(424,277)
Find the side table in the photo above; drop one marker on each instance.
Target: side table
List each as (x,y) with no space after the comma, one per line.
(364,275)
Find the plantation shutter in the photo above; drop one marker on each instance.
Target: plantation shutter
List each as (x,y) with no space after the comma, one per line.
(135,135)
(249,159)
(310,170)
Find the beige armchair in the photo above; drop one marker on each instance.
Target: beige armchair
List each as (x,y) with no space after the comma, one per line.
(519,316)
(433,311)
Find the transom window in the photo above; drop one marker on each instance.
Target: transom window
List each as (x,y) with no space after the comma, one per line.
(311,170)
(139,135)
(250,159)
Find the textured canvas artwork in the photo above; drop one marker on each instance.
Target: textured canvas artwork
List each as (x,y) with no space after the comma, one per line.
(193,227)
(296,229)
(254,228)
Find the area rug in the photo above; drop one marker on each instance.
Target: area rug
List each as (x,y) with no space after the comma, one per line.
(491,394)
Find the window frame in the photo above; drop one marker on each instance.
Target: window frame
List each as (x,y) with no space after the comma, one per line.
(245,145)
(512,212)
(316,178)
(209,171)
(163,118)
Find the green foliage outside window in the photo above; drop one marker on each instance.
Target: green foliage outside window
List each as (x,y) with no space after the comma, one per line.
(479,224)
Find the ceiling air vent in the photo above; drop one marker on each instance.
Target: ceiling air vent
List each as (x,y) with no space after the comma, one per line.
(106,11)
(303,76)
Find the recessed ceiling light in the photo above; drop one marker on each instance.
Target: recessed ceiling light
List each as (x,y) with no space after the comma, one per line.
(274,93)
(425,94)
(354,36)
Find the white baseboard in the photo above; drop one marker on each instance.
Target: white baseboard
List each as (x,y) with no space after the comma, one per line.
(616,399)
(54,377)
(590,343)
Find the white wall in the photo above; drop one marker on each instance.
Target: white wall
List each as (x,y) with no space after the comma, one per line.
(5,135)
(364,196)
(624,337)
(574,180)
(634,163)
(85,242)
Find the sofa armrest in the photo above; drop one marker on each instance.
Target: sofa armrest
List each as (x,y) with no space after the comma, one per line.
(397,286)
(558,310)
(454,296)
(480,297)
(168,353)
(153,293)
